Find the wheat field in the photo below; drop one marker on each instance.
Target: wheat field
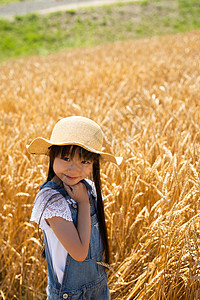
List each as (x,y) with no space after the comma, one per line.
(145,94)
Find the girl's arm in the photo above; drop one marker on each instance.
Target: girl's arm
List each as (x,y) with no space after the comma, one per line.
(75,240)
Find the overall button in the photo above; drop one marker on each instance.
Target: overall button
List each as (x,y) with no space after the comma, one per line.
(65,296)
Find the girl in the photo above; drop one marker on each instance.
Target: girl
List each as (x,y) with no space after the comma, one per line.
(69,210)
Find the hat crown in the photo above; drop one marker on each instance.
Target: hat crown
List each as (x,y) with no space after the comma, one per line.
(78,130)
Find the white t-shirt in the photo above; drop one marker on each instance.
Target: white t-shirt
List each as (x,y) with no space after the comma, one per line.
(56,207)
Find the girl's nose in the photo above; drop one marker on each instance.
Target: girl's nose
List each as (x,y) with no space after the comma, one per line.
(72,166)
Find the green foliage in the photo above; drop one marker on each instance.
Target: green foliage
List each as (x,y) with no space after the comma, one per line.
(36,34)
(3,2)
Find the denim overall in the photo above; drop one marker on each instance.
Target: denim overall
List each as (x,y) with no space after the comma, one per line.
(85,280)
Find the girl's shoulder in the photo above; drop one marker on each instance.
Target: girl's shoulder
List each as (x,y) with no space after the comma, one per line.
(91,187)
(45,195)
(49,203)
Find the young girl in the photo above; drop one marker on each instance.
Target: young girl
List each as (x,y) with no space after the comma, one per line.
(69,210)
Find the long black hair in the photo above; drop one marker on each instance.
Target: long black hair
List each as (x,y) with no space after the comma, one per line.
(70,151)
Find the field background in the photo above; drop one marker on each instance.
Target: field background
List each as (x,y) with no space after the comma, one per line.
(145,94)
(87,27)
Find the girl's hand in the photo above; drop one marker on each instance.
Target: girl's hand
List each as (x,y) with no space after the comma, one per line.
(77,192)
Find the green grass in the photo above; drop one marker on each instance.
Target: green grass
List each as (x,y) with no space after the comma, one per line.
(36,34)
(2,2)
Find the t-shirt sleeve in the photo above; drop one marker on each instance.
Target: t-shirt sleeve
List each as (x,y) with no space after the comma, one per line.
(49,203)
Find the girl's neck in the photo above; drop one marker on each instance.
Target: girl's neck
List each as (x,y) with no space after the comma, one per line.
(57,180)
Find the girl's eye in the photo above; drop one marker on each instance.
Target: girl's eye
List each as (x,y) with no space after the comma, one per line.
(66,158)
(86,162)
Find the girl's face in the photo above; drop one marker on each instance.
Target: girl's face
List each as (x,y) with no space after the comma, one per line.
(72,170)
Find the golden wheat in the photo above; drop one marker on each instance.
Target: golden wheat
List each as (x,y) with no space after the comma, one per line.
(146,96)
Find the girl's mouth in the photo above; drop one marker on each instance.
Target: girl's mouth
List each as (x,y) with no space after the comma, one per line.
(70,177)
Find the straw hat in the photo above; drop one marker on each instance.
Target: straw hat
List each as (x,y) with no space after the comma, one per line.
(74,130)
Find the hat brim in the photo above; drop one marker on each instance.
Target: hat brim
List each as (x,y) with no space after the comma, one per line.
(41,146)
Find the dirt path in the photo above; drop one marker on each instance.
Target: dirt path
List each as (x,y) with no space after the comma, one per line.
(44,6)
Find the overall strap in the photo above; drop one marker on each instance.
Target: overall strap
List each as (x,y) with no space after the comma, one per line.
(55,186)
(51,275)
